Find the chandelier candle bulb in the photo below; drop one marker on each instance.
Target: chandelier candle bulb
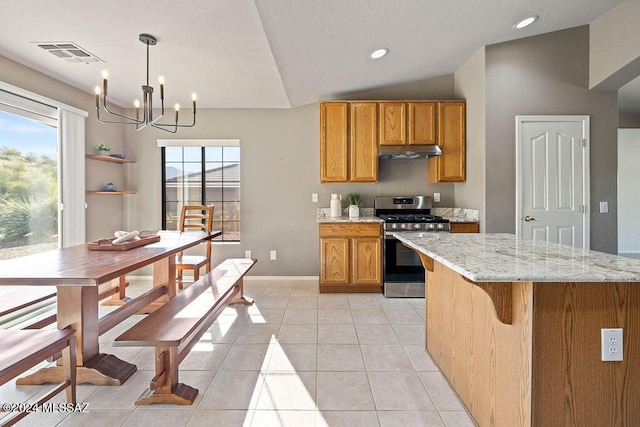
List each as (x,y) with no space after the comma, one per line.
(105,78)
(161,81)
(97,90)
(193,101)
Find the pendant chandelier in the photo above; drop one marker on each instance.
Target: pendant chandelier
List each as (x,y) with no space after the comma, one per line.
(147,101)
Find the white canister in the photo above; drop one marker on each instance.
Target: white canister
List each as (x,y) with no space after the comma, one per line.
(354,211)
(336,206)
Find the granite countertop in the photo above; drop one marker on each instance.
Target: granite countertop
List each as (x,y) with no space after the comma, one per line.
(367,218)
(457,214)
(366,215)
(505,257)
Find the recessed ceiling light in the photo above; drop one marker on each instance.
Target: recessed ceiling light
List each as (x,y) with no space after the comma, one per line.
(526,22)
(378,53)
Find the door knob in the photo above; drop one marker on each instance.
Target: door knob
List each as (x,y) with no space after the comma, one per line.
(529,218)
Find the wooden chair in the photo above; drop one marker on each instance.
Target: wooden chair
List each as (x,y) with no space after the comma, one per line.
(195,217)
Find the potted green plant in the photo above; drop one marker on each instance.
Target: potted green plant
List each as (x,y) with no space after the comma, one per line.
(354,200)
(103,149)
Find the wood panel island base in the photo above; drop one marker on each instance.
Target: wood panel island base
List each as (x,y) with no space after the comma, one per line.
(527,351)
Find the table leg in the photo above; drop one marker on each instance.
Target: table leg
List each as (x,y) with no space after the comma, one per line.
(118,289)
(164,274)
(78,308)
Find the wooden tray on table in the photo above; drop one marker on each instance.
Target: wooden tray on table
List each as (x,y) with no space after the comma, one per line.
(144,238)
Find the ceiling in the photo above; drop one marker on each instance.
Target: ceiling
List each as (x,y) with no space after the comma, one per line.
(270,53)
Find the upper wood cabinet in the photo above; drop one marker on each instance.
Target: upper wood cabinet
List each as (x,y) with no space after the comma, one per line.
(407,123)
(333,141)
(348,142)
(351,131)
(393,123)
(422,123)
(451,165)
(363,153)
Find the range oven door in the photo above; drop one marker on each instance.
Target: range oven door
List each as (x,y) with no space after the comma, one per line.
(403,273)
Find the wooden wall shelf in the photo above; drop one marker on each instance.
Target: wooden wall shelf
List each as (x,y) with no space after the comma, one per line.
(108,159)
(109,193)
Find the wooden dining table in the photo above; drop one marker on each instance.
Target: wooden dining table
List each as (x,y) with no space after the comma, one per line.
(77,272)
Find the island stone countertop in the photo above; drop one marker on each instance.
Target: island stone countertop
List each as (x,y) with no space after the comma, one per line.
(503,257)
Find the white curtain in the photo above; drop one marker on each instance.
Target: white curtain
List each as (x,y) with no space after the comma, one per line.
(72,210)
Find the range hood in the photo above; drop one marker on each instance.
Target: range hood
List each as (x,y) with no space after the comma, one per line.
(412,152)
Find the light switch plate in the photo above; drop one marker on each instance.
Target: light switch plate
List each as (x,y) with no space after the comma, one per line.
(314,197)
(436,197)
(604,207)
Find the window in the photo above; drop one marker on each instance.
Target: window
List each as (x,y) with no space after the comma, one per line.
(202,172)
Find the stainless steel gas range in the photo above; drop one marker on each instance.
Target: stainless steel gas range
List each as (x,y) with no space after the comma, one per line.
(403,273)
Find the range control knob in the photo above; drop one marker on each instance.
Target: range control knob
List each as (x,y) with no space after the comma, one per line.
(431,226)
(394,226)
(403,226)
(416,226)
(440,226)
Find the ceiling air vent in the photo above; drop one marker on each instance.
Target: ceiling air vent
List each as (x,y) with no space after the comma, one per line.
(69,51)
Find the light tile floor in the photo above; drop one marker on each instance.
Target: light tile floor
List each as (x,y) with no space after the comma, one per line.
(295,358)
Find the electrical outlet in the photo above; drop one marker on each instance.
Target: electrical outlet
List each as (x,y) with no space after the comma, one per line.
(273,255)
(247,254)
(612,345)
(314,197)
(436,197)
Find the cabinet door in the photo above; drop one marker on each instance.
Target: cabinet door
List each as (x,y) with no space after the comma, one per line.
(333,142)
(366,261)
(422,123)
(363,152)
(392,116)
(334,261)
(451,165)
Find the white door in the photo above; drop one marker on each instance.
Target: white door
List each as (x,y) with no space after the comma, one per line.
(553,179)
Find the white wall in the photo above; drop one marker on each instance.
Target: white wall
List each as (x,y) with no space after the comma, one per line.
(628,195)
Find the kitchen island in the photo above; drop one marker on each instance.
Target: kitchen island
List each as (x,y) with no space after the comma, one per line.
(515,326)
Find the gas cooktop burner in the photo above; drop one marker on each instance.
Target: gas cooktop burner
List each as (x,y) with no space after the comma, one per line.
(408,213)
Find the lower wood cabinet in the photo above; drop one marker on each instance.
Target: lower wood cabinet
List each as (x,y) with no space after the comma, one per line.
(465,227)
(350,257)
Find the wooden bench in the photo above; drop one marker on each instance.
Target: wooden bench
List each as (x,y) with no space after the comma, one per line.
(29,308)
(177,326)
(21,350)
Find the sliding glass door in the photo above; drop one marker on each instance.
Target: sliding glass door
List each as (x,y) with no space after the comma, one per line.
(29,184)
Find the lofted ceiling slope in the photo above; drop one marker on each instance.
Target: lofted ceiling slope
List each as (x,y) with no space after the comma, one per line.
(270,53)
